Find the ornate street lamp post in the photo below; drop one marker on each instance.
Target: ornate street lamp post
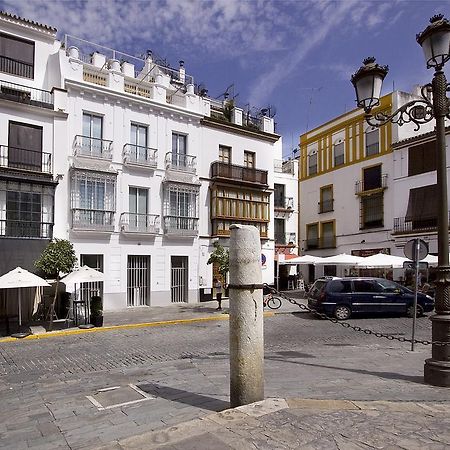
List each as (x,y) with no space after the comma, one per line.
(434,105)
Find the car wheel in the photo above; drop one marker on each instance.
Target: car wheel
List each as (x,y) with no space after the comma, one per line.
(342,312)
(410,311)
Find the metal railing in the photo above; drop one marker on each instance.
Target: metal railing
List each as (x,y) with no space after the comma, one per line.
(326,206)
(90,219)
(238,173)
(16,67)
(285,238)
(361,186)
(139,155)
(93,147)
(284,203)
(24,159)
(139,223)
(181,225)
(26,229)
(184,163)
(24,94)
(415,224)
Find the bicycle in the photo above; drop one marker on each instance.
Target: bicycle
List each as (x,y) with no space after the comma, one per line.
(271,302)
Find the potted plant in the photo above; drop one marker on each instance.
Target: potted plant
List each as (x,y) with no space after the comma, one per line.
(96,311)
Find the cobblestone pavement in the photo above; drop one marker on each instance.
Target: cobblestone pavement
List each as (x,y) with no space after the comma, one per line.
(44,384)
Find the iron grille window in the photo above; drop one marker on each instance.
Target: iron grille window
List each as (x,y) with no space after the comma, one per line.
(372,215)
(372,142)
(328,238)
(16,56)
(326,199)
(338,154)
(180,206)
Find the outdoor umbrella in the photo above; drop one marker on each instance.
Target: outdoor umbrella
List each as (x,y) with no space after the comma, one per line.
(84,274)
(20,278)
(381,260)
(431,260)
(305,259)
(342,259)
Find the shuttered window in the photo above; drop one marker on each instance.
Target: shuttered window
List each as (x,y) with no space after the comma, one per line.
(422,158)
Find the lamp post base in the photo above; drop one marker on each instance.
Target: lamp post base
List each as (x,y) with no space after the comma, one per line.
(437,368)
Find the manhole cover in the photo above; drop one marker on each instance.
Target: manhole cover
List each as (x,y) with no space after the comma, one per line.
(114,397)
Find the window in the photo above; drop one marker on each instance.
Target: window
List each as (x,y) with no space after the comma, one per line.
(372,211)
(340,286)
(422,158)
(338,154)
(326,199)
(312,236)
(225,154)
(25,146)
(312,164)
(92,133)
(280,236)
(16,56)
(327,235)
(179,150)
(93,198)
(23,214)
(423,207)
(138,203)
(366,286)
(138,139)
(372,178)
(372,142)
(87,290)
(279,198)
(180,207)
(249,159)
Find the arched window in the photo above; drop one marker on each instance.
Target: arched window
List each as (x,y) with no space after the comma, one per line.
(312,163)
(339,158)
(372,141)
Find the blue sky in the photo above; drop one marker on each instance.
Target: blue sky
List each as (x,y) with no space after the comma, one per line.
(295,55)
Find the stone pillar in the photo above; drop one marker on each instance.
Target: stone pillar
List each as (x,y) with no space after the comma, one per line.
(246,317)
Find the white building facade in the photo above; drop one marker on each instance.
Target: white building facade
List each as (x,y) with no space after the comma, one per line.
(140,170)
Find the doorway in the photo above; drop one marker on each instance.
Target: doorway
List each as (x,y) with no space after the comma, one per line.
(138,280)
(179,278)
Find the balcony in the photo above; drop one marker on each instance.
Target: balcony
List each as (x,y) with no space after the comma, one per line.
(92,220)
(134,223)
(326,206)
(16,67)
(285,239)
(411,225)
(180,226)
(137,155)
(24,159)
(238,174)
(363,188)
(181,163)
(92,147)
(286,203)
(24,94)
(26,229)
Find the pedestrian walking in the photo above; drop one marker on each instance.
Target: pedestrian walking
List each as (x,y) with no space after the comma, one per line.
(218,287)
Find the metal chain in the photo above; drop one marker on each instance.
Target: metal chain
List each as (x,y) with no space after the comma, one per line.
(348,325)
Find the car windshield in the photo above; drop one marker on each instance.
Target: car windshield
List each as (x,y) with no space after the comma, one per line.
(317,288)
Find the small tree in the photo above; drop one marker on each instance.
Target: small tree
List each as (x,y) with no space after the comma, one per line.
(58,256)
(221,257)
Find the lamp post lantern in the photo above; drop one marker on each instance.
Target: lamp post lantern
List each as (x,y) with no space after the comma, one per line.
(435,42)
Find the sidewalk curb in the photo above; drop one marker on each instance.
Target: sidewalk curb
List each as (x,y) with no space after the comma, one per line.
(119,327)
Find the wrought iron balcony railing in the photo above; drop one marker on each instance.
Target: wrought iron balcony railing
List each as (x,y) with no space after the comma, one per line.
(137,155)
(24,159)
(24,94)
(90,219)
(92,147)
(285,238)
(415,224)
(139,223)
(16,67)
(26,229)
(362,187)
(326,206)
(183,163)
(240,174)
(284,203)
(182,226)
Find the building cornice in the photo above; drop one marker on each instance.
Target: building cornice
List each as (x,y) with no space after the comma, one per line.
(238,129)
(40,28)
(123,96)
(418,139)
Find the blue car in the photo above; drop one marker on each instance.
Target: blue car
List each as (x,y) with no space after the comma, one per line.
(341,297)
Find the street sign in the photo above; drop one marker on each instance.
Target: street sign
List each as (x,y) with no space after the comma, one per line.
(412,265)
(410,249)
